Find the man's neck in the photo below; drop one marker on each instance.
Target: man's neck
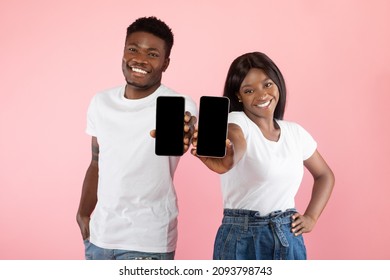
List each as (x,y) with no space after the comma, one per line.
(132,92)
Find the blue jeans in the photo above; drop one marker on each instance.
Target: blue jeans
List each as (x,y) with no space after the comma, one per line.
(93,252)
(245,235)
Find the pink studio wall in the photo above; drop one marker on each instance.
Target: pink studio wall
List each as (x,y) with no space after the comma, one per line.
(55,55)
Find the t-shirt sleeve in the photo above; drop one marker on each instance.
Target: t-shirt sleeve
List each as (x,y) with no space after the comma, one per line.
(239,119)
(91,118)
(309,145)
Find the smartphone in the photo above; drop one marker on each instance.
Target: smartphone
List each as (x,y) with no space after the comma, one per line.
(169,125)
(212,126)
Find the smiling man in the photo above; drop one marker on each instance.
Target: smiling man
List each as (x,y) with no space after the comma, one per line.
(128,207)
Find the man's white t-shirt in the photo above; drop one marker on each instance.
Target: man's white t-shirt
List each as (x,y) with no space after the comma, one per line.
(137,204)
(268,176)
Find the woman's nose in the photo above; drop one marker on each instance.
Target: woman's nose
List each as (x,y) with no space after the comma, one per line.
(262,94)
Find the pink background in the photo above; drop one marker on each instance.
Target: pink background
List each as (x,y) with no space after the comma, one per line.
(55,55)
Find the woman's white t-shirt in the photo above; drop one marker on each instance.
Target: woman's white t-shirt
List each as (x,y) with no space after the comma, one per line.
(268,176)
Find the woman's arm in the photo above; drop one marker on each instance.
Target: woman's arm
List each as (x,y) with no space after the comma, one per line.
(235,149)
(322,188)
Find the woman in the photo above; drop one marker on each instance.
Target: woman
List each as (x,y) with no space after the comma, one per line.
(263,168)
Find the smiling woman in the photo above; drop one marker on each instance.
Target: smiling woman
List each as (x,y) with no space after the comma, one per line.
(259,96)
(263,168)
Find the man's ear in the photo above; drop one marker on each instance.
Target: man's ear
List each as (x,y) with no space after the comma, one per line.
(166,64)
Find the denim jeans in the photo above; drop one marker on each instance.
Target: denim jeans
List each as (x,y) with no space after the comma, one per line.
(245,235)
(93,252)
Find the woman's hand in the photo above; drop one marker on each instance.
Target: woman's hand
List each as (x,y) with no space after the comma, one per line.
(219,165)
(301,224)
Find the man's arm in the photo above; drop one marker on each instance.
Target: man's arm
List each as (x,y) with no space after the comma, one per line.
(88,198)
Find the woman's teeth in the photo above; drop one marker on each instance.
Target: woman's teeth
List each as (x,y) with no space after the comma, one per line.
(264,104)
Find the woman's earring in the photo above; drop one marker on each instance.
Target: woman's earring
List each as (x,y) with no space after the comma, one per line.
(239,100)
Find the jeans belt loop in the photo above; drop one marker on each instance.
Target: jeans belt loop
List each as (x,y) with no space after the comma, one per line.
(246,223)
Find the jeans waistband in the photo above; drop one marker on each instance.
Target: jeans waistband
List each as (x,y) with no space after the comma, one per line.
(242,215)
(247,218)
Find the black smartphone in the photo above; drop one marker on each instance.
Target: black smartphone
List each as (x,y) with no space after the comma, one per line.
(169,125)
(212,126)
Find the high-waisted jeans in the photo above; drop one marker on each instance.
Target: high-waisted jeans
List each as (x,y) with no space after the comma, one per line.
(246,235)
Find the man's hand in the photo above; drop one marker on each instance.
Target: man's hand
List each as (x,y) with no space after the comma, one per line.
(189,128)
(84,226)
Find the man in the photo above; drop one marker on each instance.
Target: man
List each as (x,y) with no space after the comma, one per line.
(128,188)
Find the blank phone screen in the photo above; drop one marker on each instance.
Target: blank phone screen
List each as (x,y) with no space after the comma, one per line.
(170,126)
(212,126)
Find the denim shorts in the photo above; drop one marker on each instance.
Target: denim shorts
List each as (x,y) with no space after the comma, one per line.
(246,235)
(93,252)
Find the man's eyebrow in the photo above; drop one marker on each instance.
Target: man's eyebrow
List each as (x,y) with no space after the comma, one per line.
(153,49)
(139,46)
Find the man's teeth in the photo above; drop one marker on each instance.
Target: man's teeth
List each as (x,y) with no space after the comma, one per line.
(264,104)
(139,70)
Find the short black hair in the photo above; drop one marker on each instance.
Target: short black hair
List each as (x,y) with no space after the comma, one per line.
(238,71)
(153,26)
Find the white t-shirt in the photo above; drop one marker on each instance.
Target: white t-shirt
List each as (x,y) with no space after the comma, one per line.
(137,207)
(268,176)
